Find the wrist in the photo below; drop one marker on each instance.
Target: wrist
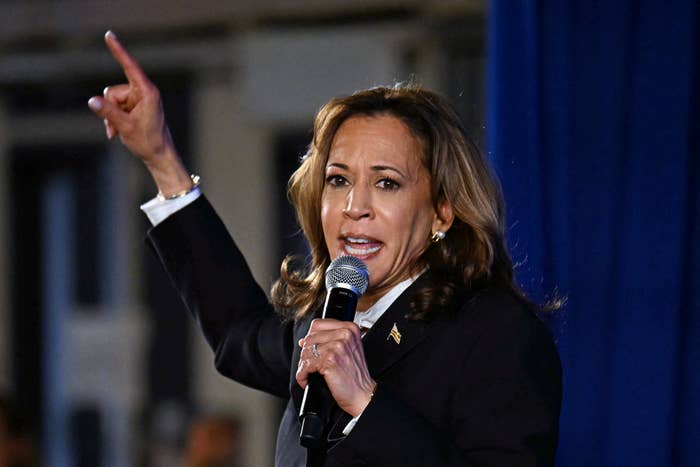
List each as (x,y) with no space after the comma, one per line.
(169,173)
(195,183)
(366,399)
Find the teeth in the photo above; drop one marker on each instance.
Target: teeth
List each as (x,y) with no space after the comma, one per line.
(357,240)
(361,251)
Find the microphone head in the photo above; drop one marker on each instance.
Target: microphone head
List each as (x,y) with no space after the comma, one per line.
(347,272)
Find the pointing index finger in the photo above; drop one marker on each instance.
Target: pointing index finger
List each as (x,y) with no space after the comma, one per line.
(131,68)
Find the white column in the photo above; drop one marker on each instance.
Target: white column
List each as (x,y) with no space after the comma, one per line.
(234,158)
(5,314)
(58,266)
(118,404)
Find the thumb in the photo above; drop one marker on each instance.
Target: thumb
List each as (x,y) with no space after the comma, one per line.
(108,111)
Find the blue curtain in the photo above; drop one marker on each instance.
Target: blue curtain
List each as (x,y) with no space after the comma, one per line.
(594,127)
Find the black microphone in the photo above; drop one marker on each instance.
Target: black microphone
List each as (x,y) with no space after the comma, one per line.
(346,280)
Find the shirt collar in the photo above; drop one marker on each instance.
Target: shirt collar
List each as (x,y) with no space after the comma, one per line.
(366,319)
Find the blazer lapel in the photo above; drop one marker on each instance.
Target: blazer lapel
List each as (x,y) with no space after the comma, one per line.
(389,340)
(393,335)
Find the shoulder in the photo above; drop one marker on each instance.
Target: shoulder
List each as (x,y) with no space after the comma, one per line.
(500,325)
(498,308)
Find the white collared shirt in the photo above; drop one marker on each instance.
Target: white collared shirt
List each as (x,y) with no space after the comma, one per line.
(367,318)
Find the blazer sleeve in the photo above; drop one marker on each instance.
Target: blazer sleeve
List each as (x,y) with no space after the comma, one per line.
(251,343)
(504,410)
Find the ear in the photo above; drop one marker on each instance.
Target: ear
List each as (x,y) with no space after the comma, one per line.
(444,216)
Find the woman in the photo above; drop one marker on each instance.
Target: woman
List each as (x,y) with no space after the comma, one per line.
(454,370)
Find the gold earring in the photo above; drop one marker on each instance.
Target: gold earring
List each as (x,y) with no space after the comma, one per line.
(437,236)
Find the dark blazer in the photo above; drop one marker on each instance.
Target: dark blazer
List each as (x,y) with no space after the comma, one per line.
(480,385)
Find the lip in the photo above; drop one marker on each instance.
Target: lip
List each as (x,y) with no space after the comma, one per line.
(360,246)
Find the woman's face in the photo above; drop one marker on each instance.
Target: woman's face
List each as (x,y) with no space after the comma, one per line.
(376,203)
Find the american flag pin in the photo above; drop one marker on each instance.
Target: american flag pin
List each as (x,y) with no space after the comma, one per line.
(395,334)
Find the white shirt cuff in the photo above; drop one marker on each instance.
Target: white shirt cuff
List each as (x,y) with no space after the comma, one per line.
(158,209)
(351,424)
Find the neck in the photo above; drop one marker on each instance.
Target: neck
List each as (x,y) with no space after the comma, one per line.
(375,294)
(368,299)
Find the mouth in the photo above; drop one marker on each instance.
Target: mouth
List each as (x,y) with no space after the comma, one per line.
(360,246)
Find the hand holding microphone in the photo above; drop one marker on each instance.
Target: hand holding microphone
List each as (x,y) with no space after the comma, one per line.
(332,353)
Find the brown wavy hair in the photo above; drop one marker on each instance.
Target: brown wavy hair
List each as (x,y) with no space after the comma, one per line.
(473,253)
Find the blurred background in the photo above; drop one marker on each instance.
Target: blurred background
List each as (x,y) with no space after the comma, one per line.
(587,109)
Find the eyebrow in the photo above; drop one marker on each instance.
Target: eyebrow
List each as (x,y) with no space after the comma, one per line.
(376,168)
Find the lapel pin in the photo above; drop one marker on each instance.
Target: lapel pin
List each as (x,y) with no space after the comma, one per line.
(395,334)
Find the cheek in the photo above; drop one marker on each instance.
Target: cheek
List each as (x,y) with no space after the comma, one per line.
(326,221)
(418,228)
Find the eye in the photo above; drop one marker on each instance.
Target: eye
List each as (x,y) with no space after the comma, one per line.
(387,184)
(336,180)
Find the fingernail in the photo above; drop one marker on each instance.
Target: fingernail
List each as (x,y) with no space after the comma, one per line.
(94,103)
(301,342)
(110,34)
(105,90)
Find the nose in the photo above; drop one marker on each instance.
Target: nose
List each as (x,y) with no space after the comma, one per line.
(358,203)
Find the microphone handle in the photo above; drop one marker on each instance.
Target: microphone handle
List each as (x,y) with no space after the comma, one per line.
(340,304)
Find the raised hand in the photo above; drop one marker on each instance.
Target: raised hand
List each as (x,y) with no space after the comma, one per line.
(134,112)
